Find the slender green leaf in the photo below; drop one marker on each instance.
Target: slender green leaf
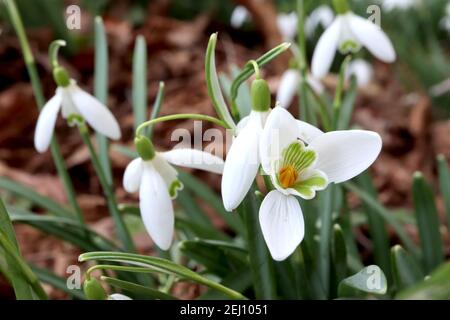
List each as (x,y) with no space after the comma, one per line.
(376,225)
(339,257)
(101,89)
(19,282)
(33,196)
(159,263)
(156,107)
(137,289)
(239,281)
(140,81)
(348,104)
(385,214)
(405,271)
(427,223)
(434,287)
(243,99)
(198,231)
(212,82)
(260,259)
(444,182)
(370,280)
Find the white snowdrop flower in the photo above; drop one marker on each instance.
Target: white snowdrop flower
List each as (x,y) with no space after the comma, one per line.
(348,33)
(362,70)
(156,180)
(445,21)
(300,166)
(118,296)
(72,100)
(390,5)
(287,24)
(289,83)
(239,16)
(321,16)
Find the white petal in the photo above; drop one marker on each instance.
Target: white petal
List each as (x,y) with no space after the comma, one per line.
(282,224)
(315,84)
(307,132)
(192,158)
(362,70)
(280,130)
(344,154)
(95,113)
(46,123)
(287,24)
(118,296)
(241,124)
(288,87)
(322,15)
(132,175)
(164,168)
(326,49)
(241,164)
(372,37)
(156,208)
(239,16)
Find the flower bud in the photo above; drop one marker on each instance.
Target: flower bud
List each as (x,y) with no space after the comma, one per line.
(61,77)
(144,148)
(94,290)
(341,6)
(260,95)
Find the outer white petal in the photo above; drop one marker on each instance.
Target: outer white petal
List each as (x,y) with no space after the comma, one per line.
(326,49)
(288,87)
(241,124)
(239,16)
(322,15)
(287,24)
(372,37)
(132,176)
(165,169)
(282,224)
(156,207)
(241,164)
(280,130)
(193,158)
(46,123)
(96,114)
(118,296)
(362,70)
(344,154)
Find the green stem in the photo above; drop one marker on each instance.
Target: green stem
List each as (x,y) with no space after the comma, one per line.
(256,68)
(53,52)
(179,117)
(122,230)
(8,247)
(40,101)
(337,102)
(303,104)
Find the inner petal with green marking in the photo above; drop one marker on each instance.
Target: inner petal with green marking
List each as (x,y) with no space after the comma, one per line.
(295,171)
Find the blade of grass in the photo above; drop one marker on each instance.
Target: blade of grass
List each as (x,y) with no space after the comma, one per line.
(404,269)
(101,89)
(156,107)
(427,223)
(348,104)
(140,81)
(444,183)
(137,289)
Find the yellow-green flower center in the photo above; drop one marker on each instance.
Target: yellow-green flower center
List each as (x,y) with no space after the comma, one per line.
(287,175)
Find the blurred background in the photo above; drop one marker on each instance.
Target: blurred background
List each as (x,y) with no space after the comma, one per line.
(407,103)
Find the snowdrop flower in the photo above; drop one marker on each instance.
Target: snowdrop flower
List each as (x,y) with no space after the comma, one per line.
(301,167)
(287,24)
(239,16)
(390,5)
(348,33)
(362,70)
(243,158)
(72,100)
(288,87)
(118,296)
(445,21)
(156,180)
(322,15)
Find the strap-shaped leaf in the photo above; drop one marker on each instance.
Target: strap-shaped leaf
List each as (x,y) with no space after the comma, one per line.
(162,264)
(370,280)
(405,270)
(139,90)
(212,82)
(140,291)
(444,183)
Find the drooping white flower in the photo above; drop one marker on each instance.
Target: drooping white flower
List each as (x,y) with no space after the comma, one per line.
(289,83)
(287,25)
(72,100)
(362,70)
(243,158)
(445,21)
(347,33)
(239,16)
(301,166)
(118,296)
(390,5)
(321,16)
(156,180)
